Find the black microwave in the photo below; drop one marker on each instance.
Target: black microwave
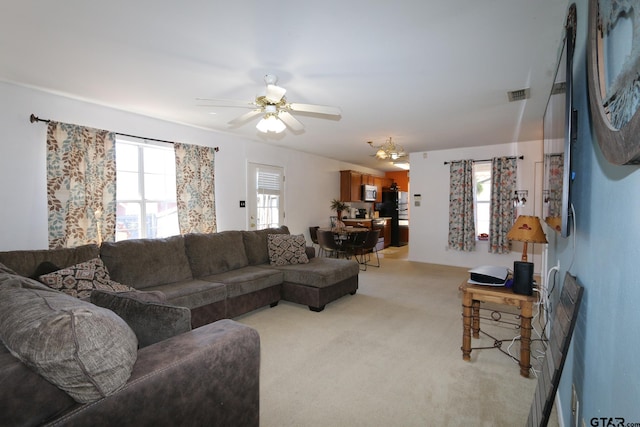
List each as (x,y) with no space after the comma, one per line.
(369,193)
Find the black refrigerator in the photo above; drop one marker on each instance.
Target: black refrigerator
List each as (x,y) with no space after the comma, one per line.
(395,206)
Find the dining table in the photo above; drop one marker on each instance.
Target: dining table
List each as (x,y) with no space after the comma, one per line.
(342,231)
(344,234)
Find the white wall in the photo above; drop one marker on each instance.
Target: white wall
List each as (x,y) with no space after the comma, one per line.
(311,181)
(428,232)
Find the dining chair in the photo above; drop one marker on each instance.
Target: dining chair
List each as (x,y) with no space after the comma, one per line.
(368,247)
(313,233)
(328,245)
(353,242)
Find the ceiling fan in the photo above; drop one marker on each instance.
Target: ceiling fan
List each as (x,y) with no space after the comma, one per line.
(274,109)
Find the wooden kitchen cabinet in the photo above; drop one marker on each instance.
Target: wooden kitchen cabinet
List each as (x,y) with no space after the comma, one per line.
(368,179)
(387,233)
(350,186)
(404,235)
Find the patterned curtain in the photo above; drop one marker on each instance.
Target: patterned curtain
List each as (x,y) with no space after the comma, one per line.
(195,178)
(81,185)
(462,231)
(503,185)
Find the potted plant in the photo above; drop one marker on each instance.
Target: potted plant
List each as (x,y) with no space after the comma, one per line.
(339,206)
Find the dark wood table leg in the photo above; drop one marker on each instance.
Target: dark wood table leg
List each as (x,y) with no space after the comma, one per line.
(466,326)
(526,313)
(475,327)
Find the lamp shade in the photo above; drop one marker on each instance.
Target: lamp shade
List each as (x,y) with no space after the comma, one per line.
(554,222)
(527,229)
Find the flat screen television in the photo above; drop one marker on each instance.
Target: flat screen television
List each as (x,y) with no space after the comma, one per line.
(560,119)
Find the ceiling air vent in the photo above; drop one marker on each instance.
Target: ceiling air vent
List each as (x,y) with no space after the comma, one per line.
(518,95)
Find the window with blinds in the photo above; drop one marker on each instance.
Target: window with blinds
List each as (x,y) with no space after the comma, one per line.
(269,193)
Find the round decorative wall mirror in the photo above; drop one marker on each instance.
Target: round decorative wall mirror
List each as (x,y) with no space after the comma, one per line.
(613,54)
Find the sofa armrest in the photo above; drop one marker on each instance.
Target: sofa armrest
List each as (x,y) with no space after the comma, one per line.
(151,318)
(208,376)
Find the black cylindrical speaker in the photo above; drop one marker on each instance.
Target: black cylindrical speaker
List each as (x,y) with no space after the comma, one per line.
(523,278)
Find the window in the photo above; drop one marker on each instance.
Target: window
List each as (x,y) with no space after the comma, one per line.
(267,208)
(145,190)
(482,196)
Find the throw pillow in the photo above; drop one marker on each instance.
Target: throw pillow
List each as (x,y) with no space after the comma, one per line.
(85,350)
(286,249)
(151,319)
(79,280)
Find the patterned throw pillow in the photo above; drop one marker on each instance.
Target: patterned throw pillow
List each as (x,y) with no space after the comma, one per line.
(80,279)
(285,249)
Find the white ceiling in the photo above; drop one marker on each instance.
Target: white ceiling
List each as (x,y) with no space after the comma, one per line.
(430,74)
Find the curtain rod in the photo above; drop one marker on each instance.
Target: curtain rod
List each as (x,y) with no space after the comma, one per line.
(33,118)
(488,160)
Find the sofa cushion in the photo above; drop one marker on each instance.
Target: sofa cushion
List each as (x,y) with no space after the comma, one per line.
(147,313)
(85,350)
(320,272)
(255,244)
(247,280)
(213,253)
(143,263)
(285,249)
(80,279)
(193,293)
(25,262)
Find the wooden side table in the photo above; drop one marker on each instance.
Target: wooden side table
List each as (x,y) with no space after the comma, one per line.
(472,295)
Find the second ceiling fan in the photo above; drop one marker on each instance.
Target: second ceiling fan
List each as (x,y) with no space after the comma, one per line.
(274,109)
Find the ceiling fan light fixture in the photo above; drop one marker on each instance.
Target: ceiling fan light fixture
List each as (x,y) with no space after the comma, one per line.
(270,123)
(274,108)
(388,150)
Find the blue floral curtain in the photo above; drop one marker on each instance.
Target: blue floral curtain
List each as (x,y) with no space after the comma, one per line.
(503,185)
(195,179)
(462,231)
(555,165)
(81,185)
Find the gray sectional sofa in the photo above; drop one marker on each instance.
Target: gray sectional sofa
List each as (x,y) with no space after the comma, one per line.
(217,276)
(207,375)
(226,274)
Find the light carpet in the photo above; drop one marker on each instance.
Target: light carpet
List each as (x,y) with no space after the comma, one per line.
(387,356)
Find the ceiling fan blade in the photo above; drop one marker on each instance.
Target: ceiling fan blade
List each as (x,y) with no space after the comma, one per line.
(320,109)
(290,121)
(225,103)
(245,117)
(275,93)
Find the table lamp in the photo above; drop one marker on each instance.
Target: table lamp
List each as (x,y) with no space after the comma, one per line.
(527,229)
